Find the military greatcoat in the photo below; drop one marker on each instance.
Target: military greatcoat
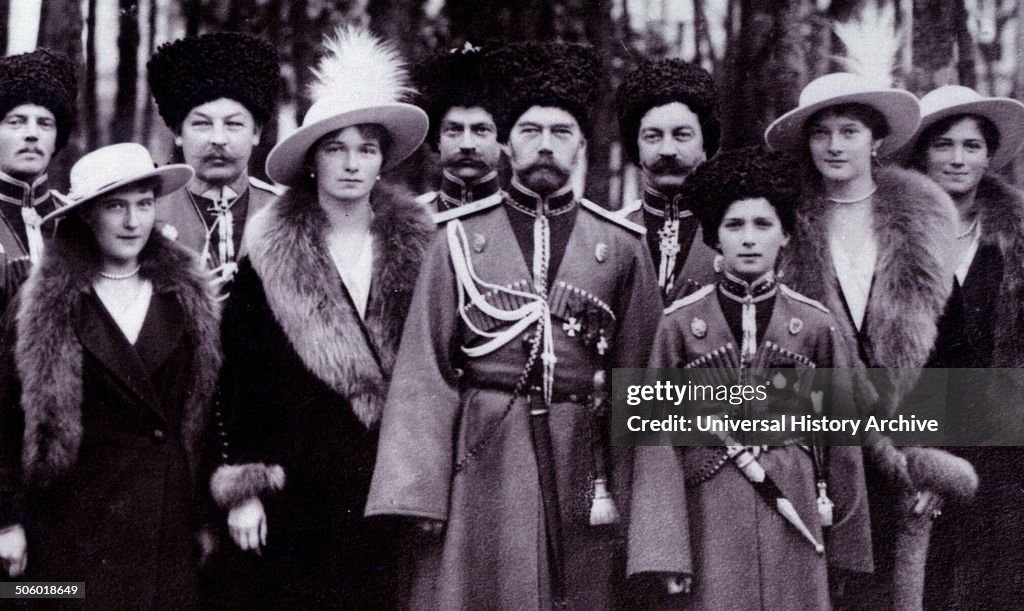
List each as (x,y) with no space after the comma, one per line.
(695,513)
(455,440)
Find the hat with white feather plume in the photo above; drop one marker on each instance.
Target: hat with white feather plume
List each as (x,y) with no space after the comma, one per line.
(871,45)
(361,80)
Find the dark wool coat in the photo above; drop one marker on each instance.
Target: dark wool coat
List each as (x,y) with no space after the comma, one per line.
(977,558)
(302,390)
(456,443)
(740,552)
(915,225)
(102,443)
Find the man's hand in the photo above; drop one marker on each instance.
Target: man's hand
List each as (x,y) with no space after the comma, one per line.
(247,524)
(14,550)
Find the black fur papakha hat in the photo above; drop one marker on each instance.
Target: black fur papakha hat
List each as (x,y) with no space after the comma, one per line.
(44,78)
(192,71)
(559,74)
(456,77)
(662,82)
(745,173)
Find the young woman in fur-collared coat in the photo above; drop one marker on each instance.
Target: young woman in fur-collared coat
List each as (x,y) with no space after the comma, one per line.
(873,245)
(310,335)
(110,359)
(977,558)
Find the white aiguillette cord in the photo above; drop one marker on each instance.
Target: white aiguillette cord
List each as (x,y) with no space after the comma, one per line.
(470,285)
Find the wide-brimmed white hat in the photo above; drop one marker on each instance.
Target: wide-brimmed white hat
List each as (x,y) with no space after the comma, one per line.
(900,109)
(112,167)
(361,80)
(1006,114)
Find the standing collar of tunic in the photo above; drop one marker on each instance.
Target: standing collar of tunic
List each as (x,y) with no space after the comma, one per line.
(740,290)
(526,201)
(456,192)
(661,205)
(20,193)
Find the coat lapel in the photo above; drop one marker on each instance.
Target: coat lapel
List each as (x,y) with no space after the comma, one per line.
(306,295)
(100,336)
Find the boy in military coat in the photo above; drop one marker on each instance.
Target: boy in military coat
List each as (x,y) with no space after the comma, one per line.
(696,514)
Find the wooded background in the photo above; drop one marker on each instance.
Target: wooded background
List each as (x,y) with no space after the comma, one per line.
(761,52)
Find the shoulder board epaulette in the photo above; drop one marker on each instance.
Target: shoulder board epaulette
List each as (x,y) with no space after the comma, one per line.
(630,208)
(277,190)
(613,217)
(803,298)
(425,198)
(693,297)
(455,213)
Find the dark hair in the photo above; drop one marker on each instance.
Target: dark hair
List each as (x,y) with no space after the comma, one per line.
(366,130)
(869,116)
(740,174)
(988,132)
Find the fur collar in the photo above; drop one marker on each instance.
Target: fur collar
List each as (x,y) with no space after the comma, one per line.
(304,291)
(1001,209)
(48,352)
(915,224)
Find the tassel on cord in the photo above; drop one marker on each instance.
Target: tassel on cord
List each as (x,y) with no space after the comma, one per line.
(602,509)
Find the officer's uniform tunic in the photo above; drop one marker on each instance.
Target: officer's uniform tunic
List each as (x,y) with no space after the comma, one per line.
(695,513)
(455,439)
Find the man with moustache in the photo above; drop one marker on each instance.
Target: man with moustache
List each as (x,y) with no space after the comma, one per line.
(668,124)
(495,439)
(216,92)
(462,129)
(37,103)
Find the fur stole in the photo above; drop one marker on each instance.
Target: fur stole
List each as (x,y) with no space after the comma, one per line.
(914,221)
(1001,210)
(305,293)
(49,354)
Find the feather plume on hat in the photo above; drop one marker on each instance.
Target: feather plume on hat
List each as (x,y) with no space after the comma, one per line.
(358,66)
(871,42)
(360,80)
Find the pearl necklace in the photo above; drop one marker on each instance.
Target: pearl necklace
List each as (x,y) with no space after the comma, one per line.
(969,231)
(854,200)
(126,276)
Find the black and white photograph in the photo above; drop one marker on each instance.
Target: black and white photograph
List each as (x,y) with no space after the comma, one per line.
(331,304)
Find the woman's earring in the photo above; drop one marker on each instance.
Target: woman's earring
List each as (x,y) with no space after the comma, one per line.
(312,173)
(378,177)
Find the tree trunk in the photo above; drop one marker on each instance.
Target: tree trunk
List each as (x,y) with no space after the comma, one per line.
(122,127)
(193,16)
(90,114)
(5,12)
(600,30)
(60,29)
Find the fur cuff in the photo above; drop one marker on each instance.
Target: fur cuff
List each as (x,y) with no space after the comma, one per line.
(890,462)
(232,485)
(950,476)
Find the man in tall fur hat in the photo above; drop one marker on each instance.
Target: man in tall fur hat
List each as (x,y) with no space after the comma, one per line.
(216,92)
(495,438)
(462,128)
(668,122)
(37,103)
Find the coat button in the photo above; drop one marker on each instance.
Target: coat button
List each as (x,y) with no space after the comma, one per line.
(158,435)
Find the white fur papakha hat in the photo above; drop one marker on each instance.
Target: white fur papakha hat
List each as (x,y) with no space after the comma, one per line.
(871,45)
(360,80)
(1006,114)
(115,166)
